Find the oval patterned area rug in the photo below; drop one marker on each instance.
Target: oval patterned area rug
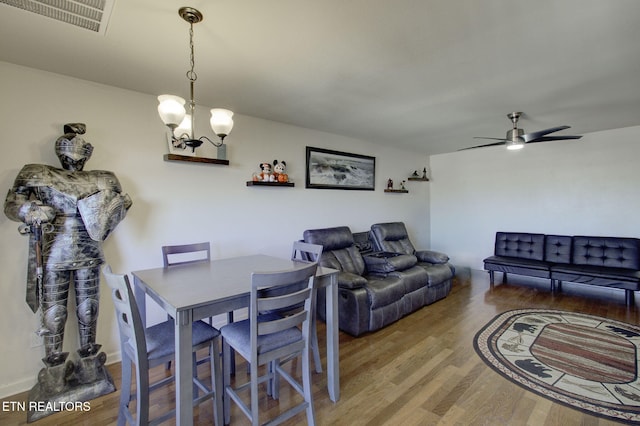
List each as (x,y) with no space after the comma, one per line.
(583,361)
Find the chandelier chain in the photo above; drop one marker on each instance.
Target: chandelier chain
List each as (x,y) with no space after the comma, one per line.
(191,74)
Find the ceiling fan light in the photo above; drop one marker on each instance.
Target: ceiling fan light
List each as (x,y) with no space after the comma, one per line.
(171,110)
(515,145)
(221,121)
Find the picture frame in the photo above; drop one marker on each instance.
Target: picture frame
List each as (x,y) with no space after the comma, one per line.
(328,169)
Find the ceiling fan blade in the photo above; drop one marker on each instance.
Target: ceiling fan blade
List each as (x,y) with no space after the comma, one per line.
(528,137)
(554,138)
(493,139)
(484,146)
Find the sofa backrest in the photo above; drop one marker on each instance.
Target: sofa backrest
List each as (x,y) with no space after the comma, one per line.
(521,245)
(339,249)
(557,248)
(392,237)
(606,251)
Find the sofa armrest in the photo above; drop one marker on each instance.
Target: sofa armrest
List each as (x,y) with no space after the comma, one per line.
(350,281)
(431,256)
(385,262)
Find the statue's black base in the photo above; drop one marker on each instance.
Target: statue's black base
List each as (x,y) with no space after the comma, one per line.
(74,396)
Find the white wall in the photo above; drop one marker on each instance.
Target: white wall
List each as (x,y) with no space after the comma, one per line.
(173,202)
(583,187)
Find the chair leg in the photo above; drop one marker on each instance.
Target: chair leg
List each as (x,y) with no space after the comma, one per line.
(142,391)
(226,367)
(255,414)
(194,366)
(314,335)
(306,386)
(216,382)
(275,379)
(314,347)
(125,392)
(233,357)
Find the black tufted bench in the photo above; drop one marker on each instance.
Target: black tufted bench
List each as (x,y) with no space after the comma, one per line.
(602,261)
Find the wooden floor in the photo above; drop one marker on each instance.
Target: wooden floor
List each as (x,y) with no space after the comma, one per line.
(421,370)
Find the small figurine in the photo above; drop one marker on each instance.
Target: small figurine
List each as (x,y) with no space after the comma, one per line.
(265,175)
(279,169)
(415,174)
(402,185)
(424,173)
(389,184)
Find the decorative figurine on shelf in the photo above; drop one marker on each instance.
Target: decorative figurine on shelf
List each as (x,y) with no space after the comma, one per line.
(415,174)
(67,213)
(424,173)
(265,175)
(402,186)
(389,184)
(279,169)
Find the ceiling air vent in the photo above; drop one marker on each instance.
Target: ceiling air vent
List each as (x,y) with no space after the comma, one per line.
(92,15)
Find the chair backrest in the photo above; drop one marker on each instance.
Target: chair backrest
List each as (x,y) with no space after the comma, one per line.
(186,253)
(132,337)
(275,291)
(339,249)
(306,251)
(392,237)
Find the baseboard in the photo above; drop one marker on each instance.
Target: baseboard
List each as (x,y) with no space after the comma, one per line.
(13,389)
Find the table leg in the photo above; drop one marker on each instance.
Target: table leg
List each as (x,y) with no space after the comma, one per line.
(184,369)
(141,300)
(333,357)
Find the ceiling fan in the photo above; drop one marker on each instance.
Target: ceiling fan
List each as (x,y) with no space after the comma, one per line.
(516,138)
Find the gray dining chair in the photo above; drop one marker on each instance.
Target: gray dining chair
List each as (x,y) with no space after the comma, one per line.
(146,348)
(269,339)
(185,254)
(308,252)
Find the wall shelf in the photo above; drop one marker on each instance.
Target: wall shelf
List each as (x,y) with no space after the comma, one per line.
(188,159)
(398,191)
(418,179)
(259,183)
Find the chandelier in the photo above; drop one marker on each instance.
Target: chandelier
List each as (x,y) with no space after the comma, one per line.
(172,110)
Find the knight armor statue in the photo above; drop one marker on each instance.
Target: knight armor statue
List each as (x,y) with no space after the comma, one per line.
(67,213)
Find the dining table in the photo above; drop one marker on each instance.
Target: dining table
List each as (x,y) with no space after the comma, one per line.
(200,290)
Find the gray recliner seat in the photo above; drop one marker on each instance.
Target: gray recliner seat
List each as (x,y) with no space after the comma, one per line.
(393,237)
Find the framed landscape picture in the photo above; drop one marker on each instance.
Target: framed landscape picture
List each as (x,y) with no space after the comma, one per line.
(327,169)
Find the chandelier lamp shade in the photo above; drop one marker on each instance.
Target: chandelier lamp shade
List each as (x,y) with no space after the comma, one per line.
(180,119)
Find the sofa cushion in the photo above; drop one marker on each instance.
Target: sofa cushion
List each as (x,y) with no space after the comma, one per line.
(516,265)
(574,272)
(384,291)
(606,251)
(438,274)
(351,281)
(520,245)
(557,248)
(330,238)
(392,237)
(413,278)
(627,279)
(338,249)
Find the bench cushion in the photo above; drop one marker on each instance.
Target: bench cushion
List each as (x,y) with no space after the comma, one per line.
(628,279)
(515,265)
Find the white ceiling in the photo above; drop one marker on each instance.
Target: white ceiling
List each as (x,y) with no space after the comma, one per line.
(428,75)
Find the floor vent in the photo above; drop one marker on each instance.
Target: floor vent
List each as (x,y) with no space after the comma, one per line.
(92,15)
